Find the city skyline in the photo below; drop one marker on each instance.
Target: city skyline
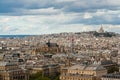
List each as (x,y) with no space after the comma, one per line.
(48,16)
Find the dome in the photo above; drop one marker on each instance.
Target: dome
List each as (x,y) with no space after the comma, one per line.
(101,30)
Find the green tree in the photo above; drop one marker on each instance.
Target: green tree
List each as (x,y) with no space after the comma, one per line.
(42,78)
(57,78)
(113,69)
(38,76)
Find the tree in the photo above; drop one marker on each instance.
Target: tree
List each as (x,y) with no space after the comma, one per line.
(43,78)
(113,69)
(38,76)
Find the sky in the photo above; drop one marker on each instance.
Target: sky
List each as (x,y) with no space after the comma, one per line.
(56,16)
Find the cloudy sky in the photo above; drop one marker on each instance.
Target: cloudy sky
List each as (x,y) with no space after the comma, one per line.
(55,16)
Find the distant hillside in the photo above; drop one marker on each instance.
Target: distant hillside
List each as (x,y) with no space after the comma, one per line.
(13,36)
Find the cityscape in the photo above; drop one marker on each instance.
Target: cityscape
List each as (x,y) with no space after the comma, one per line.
(93,55)
(59,40)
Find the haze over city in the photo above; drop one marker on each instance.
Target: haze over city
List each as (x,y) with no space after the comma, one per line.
(56,16)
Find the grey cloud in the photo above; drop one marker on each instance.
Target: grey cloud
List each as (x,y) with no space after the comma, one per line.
(96,20)
(68,6)
(41,7)
(92,6)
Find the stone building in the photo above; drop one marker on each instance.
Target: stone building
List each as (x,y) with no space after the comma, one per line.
(113,76)
(83,72)
(11,71)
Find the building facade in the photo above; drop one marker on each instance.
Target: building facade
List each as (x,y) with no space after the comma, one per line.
(114,76)
(11,71)
(83,72)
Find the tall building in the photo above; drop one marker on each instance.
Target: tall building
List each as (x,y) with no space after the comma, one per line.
(11,71)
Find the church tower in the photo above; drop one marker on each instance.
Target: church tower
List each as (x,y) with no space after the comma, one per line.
(101,30)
